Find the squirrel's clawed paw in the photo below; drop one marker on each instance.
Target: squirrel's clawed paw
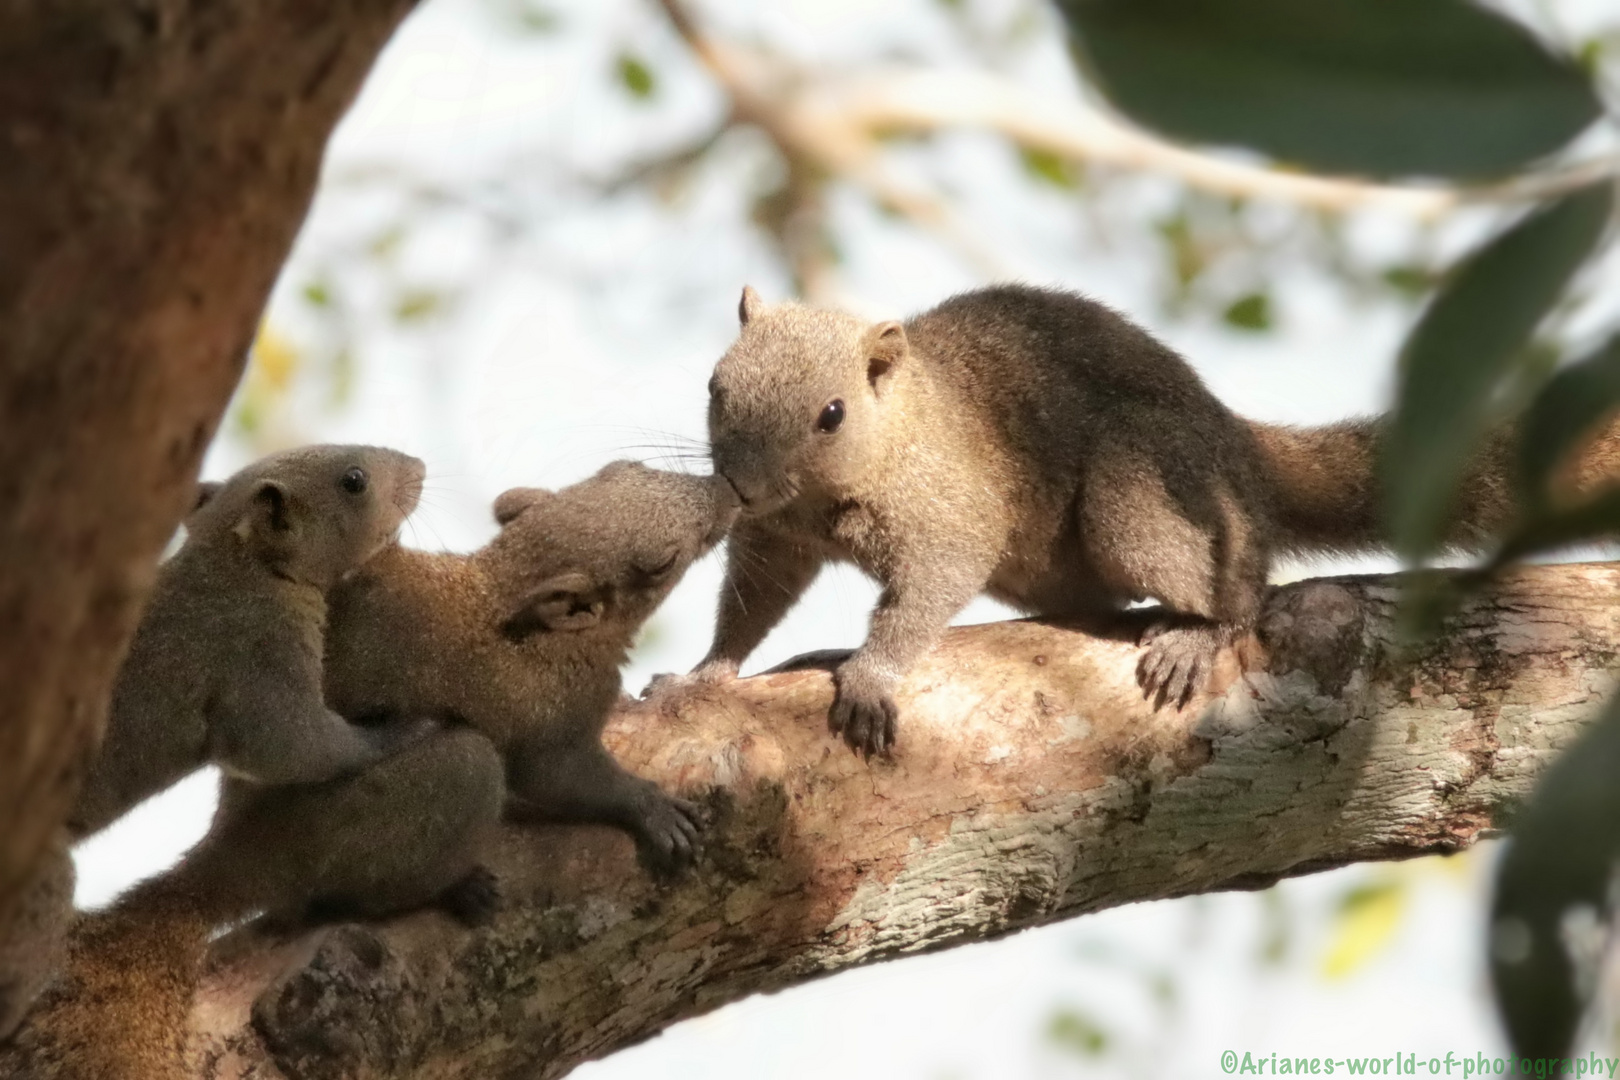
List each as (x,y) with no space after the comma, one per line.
(1178,660)
(864,714)
(667,832)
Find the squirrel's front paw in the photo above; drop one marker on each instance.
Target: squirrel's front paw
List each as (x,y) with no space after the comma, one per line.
(708,673)
(666,831)
(863,712)
(1178,661)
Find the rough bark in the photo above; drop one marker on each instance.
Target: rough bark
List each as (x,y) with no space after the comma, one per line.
(1032,784)
(156,159)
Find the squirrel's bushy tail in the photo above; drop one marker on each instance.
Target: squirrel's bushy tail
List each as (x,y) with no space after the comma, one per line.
(118,1008)
(1327,497)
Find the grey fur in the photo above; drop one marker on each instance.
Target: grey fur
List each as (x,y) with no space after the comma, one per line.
(1030,444)
(226,663)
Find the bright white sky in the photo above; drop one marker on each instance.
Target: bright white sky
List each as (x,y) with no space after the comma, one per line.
(600,329)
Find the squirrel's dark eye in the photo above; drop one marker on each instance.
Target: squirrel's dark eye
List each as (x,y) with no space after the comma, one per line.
(354,481)
(831,418)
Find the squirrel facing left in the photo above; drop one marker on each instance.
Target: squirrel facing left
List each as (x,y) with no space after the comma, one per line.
(1039,447)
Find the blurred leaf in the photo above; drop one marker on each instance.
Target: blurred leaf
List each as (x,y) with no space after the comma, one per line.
(318,294)
(385,245)
(1050,168)
(1568,409)
(538,20)
(1595,519)
(1251,312)
(1188,259)
(343,373)
(1428,598)
(1590,56)
(1364,925)
(1561,856)
(273,360)
(1073,1030)
(1412,281)
(1431,87)
(1276,928)
(636,76)
(528,16)
(1463,348)
(415,305)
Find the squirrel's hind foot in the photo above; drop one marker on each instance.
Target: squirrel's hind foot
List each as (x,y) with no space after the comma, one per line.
(1179,659)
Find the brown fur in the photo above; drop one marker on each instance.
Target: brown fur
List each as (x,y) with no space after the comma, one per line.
(403,833)
(1034,445)
(32,945)
(524,639)
(225,666)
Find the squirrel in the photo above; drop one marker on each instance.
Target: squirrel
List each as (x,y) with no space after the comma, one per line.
(317,816)
(523,639)
(1037,446)
(225,666)
(404,833)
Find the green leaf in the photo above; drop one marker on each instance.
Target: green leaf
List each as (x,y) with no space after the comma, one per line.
(1050,168)
(1368,917)
(386,244)
(318,294)
(1597,519)
(1462,351)
(1560,858)
(1372,87)
(636,76)
(1568,408)
(1410,280)
(538,20)
(1251,312)
(415,305)
(1075,1031)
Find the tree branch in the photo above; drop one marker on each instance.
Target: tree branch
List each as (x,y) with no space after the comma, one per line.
(837,122)
(1032,784)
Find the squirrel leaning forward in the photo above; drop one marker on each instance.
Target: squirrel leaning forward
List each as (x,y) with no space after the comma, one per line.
(523,639)
(1037,446)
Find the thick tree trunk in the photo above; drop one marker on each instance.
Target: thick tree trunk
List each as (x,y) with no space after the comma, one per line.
(1031,784)
(156,159)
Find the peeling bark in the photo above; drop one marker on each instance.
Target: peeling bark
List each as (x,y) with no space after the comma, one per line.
(1031,784)
(156,159)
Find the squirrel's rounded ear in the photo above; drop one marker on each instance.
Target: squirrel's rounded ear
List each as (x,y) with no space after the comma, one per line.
(269,512)
(512,502)
(885,347)
(206,490)
(562,603)
(749,306)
